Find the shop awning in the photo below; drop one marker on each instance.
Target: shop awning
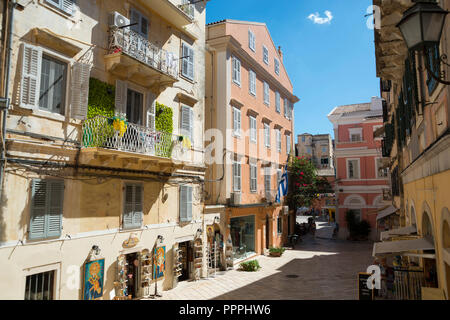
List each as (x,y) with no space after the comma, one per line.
(398,232)
(387,247)
(386,212)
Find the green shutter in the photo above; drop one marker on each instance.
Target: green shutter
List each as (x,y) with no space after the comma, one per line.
(38,209)
(54,208)
(47,198)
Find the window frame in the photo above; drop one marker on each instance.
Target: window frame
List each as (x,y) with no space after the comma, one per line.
(377,169)
(276,66)
(64,94)
(252,82)
(191,122)
(278,137)
(288,144)
(189,210)
(265,55)
(253,177)
(237,130)
(251,40)
(266,135)
(123,226)
(253,131)
(237,168)
(60,6)
(358,168)
(277,102)
(236,70)
(186,73)
(266,94)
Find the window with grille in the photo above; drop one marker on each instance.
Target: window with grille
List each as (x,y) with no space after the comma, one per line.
(40,286)
(356,137)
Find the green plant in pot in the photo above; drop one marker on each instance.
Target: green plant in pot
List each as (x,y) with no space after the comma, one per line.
(276,251)
(250,266)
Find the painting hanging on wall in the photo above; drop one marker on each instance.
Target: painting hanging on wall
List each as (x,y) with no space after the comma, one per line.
(93,279)
(159,262)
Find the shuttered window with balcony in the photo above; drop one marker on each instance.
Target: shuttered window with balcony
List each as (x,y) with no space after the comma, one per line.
(133,207)
(187,63)
(185,203)
(47,198)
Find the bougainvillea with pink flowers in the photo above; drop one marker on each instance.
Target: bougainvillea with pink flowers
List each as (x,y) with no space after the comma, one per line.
(305,184)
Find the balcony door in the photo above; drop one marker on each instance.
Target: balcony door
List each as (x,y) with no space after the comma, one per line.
(134,106)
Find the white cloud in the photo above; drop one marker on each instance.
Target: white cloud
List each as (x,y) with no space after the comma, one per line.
(315,17)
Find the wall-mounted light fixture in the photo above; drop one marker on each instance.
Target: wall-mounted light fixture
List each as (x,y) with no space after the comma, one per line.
(96,249)
(421,27)
(160,238)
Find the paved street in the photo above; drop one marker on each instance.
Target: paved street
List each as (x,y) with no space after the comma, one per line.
(317,269)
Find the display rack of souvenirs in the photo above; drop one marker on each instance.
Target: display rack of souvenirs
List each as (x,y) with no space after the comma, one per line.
(121,285)
(146,271)
(213,257)
(198,257)
(229,252)
(178,262)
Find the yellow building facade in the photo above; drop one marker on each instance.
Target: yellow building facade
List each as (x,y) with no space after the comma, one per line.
(84,187)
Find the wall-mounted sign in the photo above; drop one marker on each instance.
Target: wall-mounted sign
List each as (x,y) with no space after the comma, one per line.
(93,279)
(159,262)
(131,242)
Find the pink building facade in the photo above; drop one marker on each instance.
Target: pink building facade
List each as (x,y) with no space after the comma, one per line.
(360,174)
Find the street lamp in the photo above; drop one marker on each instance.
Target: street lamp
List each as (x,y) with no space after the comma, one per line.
(421,26)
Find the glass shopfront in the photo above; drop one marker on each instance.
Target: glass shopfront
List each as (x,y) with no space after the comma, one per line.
(243,236)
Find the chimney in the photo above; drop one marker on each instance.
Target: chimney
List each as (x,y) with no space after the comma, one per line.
(280,53)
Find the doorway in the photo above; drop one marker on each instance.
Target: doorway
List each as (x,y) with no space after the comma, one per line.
(187,259)
(132,274)
(134,106)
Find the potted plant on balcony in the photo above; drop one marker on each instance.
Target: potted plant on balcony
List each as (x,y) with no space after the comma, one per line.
(276,251)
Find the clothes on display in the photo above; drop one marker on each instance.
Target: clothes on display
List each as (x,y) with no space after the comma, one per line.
(243,236)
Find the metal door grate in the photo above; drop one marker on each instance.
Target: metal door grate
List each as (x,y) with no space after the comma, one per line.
(40,286)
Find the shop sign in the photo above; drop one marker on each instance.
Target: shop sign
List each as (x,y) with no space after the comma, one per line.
(131,242)
(93,279)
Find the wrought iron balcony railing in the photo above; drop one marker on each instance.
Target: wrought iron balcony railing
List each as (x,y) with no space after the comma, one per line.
(187,8)
(100,132)
(136,46)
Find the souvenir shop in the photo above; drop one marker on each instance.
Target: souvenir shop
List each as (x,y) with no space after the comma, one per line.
(188,260)
(134,275)
(242,231)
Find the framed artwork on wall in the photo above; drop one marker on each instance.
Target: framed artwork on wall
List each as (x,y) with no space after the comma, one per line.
(93,279)
(159,262)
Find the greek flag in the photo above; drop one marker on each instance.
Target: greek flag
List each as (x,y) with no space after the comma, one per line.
(283,185)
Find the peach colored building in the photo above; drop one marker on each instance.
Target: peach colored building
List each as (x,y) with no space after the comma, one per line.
(249,108)
(360,174)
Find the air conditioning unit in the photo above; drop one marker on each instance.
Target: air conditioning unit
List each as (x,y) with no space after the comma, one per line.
(235,198)
(118,20)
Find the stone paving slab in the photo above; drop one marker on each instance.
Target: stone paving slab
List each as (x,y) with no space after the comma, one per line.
(323,269)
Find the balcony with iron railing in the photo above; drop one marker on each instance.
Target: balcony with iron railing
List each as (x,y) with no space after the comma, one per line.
(130,55)
(106,137)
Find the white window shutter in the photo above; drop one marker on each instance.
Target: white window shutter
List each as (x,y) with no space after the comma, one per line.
(80,90)
(185,203)
(187,119)
(189,203)
(191,64)
(184,62)
(121,96)
(151,110)
(191,125)
(31,76)
(68,6)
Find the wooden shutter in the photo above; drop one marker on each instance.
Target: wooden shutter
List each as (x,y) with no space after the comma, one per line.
(128,215)
(151,110)
(267,179)
(46,208)
(121,96)
(185,203)
(31,76)
(55,207)
(38,209)
(237,176)
(68,6)
(187,119)
(189,62)
(278,140)
(137,206)
(80,90)
(184,62)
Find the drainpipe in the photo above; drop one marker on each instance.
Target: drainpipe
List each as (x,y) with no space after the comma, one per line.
(13,5)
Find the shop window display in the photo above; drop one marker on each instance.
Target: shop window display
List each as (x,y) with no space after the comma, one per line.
(243,236)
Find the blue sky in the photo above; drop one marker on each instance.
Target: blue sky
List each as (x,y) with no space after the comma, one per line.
(329,64)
